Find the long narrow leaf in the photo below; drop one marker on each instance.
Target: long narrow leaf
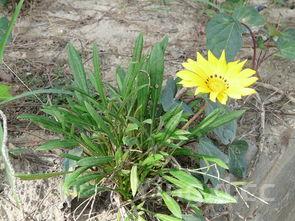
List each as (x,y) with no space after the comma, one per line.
(96,78)
(7,34)
(39,176)
(95,161)
(54,144)
(33,93)
(156,65)
(172,205)
(134,180)
(134,66)
(77,68)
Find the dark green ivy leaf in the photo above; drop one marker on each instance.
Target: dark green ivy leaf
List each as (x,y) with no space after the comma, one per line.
(237,162)
(286,43)
(249,15)
(224,32)
(207,147)
(168,100)
(227,132)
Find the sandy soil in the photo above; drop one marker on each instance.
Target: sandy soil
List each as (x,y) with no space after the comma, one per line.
(38,57)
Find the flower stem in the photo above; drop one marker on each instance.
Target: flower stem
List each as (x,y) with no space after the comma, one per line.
(194,117)
(254,45)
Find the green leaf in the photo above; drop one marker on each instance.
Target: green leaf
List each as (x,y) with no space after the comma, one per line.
(205,125)
(156,70)
(168,100)
(131,127)
(33,93)
(227,132)
(38,176)
(224,32)
(70,178)
(214,120)
(86,178)
(96,78)
(77,69)
(95,161)
(134,67)
(193,217)
(152,160)
(134,182)
(216,160)
(3,2)
(237,161)
(172,124)
(230,5)
(186,178)
(71,158)
(4,23)
(176,182)
(213,196)
(249,15)
(143,95)
(7,34)
(207,147)
(43,121)
(53,144)
(172,205)
(88,190)
(164,217)
(5,92)
(120,77)
(286,44)
(189,194)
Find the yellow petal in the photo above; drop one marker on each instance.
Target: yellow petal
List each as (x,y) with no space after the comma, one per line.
(249,81)
(234,68)
(234,92)
(222,98)
(212,59)
(204,65)
(222,58)
(191,65)
(187,75)
(248,91)
(213,96)
(190,79)
(247,72)
(221,68)
(188,83)
(202,90)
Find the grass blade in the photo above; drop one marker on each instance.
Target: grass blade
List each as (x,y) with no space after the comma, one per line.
(96,78)
(94,161)
(172,205)
(77,68)
(134,180)
(33,93)
(6,36)
(39,176)
(54,144)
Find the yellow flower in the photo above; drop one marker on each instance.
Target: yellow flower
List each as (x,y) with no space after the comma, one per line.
(219,78)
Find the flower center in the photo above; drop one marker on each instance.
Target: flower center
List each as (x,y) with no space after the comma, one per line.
(217,83)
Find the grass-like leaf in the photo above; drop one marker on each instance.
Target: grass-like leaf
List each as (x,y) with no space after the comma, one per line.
(134,182)
(39,176)
(8,32)
(77,68)
(172,205)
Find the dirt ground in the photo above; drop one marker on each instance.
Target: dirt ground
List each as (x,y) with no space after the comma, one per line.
(37,58)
